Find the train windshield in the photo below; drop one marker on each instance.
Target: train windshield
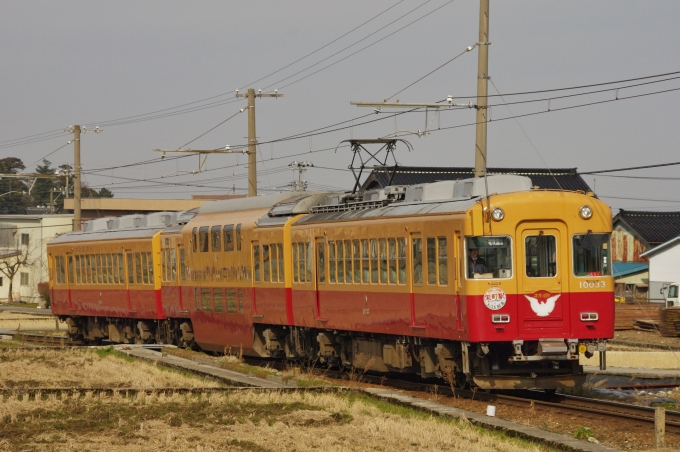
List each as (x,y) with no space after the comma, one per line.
(488,257)
(591,255)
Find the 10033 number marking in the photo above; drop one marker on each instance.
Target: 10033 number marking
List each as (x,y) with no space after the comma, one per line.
(592,284)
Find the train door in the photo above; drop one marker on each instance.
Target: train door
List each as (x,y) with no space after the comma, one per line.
(69,278)
(320,277)
(179,273)
(543,292)
(257,276)
(129,275)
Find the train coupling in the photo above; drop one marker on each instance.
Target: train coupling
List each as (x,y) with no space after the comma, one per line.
(547,349)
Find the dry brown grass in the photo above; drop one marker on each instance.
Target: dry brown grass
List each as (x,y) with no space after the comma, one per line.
(244,421)
(637,359)
(84,368)
(15,320)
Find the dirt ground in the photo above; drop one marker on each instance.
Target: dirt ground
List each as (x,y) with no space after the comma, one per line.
(241,421)
(646,337)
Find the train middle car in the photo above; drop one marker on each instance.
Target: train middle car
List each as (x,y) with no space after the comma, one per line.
(387,282)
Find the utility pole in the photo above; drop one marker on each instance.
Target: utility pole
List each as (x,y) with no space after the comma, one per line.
(76,130)
(252,137)
(482,88)
(300,167)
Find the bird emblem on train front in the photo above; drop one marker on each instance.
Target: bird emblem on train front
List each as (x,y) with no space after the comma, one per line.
(542,302)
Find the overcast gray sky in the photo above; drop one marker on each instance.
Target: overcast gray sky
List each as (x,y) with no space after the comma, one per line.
(83,62)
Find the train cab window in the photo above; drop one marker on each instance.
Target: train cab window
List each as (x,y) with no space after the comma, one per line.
(417,260)
(215,238)
(331,262)
(591,254)
(340,263)
(217,300)
(203,239)
(442,261)
(229,237)
(488,257)
(431,261)
(348,261)
(238,237)
(280,261)
(541,256)
(256,262)
(401,259)
(321,263)
(266,269)
(194,240)
(356,253)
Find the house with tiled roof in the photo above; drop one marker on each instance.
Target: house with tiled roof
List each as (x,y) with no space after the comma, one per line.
(545,178)
(635,232)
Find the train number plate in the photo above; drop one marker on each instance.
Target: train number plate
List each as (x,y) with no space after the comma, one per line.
(592,284)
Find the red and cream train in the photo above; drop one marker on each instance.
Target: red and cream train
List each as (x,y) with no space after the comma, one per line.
(384,282)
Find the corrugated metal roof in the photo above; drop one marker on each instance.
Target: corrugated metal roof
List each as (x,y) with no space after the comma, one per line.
(550,179)
(654,227)
(629,268)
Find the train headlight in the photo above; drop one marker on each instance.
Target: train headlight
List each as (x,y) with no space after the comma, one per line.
(586,212)
(497,214)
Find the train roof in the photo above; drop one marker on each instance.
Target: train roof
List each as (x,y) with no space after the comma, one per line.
(117,234)
(252,203)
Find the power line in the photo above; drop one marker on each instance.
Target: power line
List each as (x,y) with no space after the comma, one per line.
(632,168)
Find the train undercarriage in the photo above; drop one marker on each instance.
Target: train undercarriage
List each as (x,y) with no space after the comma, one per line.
(542,364)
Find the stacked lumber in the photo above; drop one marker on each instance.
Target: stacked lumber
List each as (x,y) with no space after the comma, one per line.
(646,325)
(626,314)
(670,322)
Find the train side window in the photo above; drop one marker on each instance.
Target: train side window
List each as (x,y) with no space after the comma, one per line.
(256,262)
(231,301)
(321,262)
(443,261)
(205,299)
(365,271)
(331,261)
(114,268)
(93,268)
(104,270)
(109,266)
(145,268)
(295,262)
(238,237)
(401,259)
(356,253)
(431,261)
(88,269)
(274,259)
(280,262)
(229,237)
(374,261)
(164,270)
(541,256)
(417,260)
(383,261)
(138,268)
(194,240)
(217,300)
(266,268)
(308,261)
(151,272)
(130,269)
(57,265)
(70,269)
(182,265)
(215,235)
(341,263)
(348,262)
(173,264)
(121,268)
(240,301)
(77,269)
(392,255)
(197,298)
(203,239)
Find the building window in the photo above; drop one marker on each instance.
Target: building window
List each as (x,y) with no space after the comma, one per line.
(24,279)
(24,239)
(0,281)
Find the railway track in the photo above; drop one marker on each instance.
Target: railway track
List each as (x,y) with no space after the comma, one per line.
(45,339)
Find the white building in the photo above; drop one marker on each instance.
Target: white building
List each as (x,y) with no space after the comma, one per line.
(28,235)
(664,265)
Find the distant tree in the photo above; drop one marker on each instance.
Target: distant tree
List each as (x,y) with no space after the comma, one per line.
(12,198)
(43,187)
(105,193)
(13,258)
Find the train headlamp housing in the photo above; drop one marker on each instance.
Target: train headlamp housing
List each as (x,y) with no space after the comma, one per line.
(497,214)
(586,212)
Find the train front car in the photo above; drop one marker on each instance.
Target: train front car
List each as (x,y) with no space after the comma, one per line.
(538,288)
